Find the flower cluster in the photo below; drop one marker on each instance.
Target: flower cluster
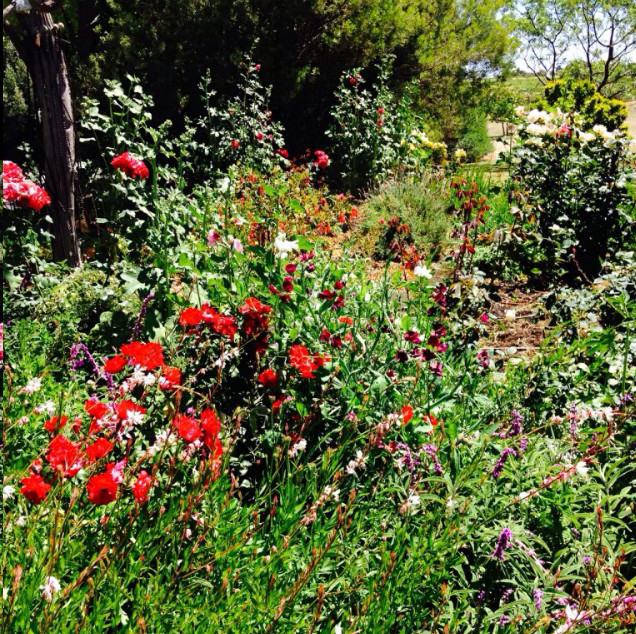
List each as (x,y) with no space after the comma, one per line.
(131,166)
(18,189)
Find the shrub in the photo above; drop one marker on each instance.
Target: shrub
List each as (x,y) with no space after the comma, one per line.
(421,205)
(473,135)
(573,185)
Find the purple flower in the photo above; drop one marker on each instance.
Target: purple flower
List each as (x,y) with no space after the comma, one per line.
(498,468)
(502,543)
(538,598)
(142,314)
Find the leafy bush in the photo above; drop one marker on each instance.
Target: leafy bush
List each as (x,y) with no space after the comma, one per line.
(473,135)
(421,205)
(573,186)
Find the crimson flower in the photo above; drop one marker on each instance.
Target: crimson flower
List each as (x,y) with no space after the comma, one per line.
(115,364)
(131,166)
(187,427)
(64,455)
(18,189)
(34,488)
(148,355)
(191,317)
(170,378)
(102,488)
(55,424)
(141,487)
(99,449)
(268,379)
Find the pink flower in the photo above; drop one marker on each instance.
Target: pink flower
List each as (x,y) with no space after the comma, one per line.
(237,245)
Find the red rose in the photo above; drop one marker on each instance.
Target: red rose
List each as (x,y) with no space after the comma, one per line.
(115,364)
(34,488)
(141,487)
(187,427)
(102,488)
(64,455)
(268,378)
(99,449)
(55,424)
(191,317)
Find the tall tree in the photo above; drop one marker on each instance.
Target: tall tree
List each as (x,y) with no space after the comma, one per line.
(600,32)
(36,37)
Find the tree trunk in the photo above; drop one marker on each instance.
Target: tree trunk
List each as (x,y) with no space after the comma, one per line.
(45,62)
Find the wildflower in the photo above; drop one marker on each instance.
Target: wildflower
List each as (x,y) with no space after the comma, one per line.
(503,542)
(297,447)
(34,488)
(421,270)
(407,414)
(8,492)
(115,364)
(99,449)
(538,598)
(237,245)
(131,166)
(51,587)
(359,462)
(213,237)
(55,423)
(268,379)
(141,487)
(130,412)
(102,488)
(170,378)
(306,363)
(284,247)
(503,457)
(32,386)
(64,456)
(187,427)
(18,189)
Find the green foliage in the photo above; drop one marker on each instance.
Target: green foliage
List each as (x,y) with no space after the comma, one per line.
(583,97)
(473,137)
(421,204)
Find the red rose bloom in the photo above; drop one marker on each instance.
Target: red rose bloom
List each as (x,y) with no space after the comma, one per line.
(18,189)
(191,317)
(64,455)
(95,409)
(141,487)
(34,488)
(170,378)
(268,378)
(102,488)
(99,449)
(187,427)
(55,424)
(130,166)
(115,364)
(147,355)
(124,408)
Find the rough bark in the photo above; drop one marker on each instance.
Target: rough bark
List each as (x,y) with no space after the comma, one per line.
(40,48)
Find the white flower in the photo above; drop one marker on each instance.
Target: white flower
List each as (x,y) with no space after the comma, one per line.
(21,521)
(48,407)
(534,116)
(296,448)
(421,270)
(520,111)
(7,492)
(536,129)
(51,586)
(582,468)
(586,137)
(134,418)
(460,155)
(283,246)
(337,629)
(32,386)
(604,133)
(23,420)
